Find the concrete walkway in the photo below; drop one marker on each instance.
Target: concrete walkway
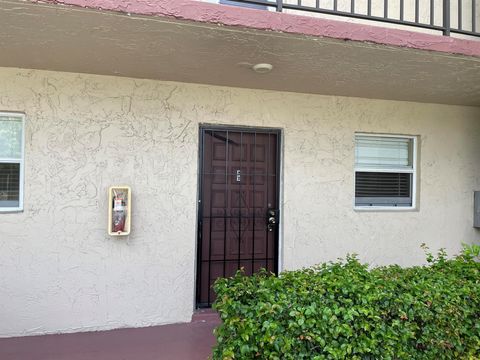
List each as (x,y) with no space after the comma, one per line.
(190,341)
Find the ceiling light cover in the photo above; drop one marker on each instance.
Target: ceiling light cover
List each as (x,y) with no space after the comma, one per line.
(262,68)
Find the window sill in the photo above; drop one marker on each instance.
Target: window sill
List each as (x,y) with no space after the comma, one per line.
(10,210)
(385,208)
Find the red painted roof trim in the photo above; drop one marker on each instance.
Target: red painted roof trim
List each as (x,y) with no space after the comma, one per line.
(266,20)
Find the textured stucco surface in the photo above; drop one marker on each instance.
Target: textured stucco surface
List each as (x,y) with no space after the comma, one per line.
(78,40)
(62,273)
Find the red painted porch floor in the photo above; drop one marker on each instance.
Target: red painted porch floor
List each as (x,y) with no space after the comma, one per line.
(189,341)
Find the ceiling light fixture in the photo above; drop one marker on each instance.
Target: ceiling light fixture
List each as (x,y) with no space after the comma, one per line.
(262,68)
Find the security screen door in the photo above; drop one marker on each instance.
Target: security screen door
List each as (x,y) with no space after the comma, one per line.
(238,205)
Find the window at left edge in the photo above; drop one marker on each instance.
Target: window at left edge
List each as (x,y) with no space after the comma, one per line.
(12,129)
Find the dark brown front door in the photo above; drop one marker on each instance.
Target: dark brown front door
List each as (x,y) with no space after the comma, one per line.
(238,205)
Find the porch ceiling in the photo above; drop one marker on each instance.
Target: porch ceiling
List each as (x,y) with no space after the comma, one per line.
(64,38)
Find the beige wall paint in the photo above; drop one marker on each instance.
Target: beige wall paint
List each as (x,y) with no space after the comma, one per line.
(205,53)
(84,133)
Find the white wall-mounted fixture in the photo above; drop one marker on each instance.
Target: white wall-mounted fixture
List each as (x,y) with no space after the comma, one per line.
(262,68)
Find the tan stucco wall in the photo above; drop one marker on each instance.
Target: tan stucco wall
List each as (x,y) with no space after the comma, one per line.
(60,272)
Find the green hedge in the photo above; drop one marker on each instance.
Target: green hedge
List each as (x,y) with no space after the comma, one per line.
(345,310)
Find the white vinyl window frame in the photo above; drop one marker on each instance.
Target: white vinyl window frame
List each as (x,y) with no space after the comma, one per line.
(412,171)
(19,161)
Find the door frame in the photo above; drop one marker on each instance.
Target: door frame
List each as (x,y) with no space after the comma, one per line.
(279,190)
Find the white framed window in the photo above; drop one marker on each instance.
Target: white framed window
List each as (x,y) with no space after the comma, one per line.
(12,140)
(385,171)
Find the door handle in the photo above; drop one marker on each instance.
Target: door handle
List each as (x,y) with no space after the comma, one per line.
(272,219)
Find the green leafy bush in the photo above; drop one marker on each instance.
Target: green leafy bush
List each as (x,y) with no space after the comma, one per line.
(345,310)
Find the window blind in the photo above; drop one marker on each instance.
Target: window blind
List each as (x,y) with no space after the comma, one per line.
(379,184)
(11,128)
(11,161)
(383,152)
(9,184)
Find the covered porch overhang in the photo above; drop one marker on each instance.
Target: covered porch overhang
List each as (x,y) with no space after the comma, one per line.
(165,46)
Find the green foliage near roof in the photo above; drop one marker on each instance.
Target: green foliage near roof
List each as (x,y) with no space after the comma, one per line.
(345,310)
